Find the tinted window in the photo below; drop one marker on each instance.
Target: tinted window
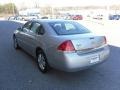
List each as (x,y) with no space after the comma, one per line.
(68,28)
(37,28)
(27,25)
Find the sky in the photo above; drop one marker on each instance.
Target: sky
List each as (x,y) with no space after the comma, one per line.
(54,3)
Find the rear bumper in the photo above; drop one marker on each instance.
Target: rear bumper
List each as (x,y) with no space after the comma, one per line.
(72,62)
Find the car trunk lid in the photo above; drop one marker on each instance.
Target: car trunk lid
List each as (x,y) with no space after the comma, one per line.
(88,43)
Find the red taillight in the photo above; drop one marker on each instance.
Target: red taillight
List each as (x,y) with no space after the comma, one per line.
(66,46)
(105,40)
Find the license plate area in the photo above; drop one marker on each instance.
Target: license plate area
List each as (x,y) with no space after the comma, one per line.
(94,59)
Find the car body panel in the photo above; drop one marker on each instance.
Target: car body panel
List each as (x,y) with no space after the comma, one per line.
(87,47)
(76,61)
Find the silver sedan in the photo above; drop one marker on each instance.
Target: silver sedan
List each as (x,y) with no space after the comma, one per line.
(61,44)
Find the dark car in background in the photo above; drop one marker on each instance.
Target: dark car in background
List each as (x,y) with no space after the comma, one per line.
(114,17)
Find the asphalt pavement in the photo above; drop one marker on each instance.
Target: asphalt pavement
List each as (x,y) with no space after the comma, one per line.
(19,71)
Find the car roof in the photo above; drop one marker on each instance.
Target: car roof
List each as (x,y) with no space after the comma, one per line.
(50,20)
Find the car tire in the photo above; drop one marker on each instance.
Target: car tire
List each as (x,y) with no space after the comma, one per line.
(42,62)
(15,43)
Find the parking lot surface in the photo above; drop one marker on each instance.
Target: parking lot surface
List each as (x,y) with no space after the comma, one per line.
(19,71)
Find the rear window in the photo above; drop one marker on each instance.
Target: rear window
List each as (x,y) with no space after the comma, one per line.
(68,28)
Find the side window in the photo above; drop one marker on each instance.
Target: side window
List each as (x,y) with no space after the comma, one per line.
(27,25)
(34,27)
(37,28)
(41,30)
(70,26)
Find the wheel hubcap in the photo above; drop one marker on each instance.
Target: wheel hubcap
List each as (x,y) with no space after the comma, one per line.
(41,61)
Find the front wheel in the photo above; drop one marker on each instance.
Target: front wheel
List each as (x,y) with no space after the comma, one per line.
(42,62)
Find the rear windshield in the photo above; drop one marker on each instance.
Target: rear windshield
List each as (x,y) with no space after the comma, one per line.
(68,28)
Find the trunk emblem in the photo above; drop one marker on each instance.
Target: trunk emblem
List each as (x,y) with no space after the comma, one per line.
(78,45)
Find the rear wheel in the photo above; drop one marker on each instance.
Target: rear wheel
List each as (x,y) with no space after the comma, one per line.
(16,46)
(42,62)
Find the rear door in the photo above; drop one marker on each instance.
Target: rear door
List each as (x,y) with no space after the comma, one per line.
(34,38)
(24,35)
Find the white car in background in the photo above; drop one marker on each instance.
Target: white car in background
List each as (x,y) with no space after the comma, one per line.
(30,17)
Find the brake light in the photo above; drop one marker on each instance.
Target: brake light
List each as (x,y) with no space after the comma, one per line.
(105,40)
(66,46)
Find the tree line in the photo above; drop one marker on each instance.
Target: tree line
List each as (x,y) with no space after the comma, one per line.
(8,8)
